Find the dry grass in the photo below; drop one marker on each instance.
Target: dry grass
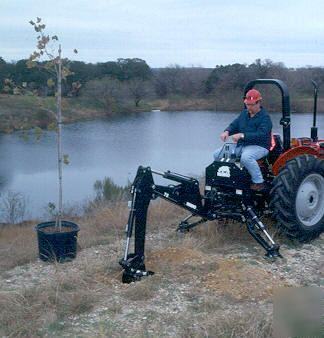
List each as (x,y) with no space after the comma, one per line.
(242,281)
(183,103)
(25,112)
(221,236)
(163,215)
(103,224)
(142,291)
(69,293)
(252,325)
(17,245)
(81,286)
(29,310)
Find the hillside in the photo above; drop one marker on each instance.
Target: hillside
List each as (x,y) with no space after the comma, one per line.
(211,282)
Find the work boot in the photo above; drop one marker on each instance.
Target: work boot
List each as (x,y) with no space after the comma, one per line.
(257,186)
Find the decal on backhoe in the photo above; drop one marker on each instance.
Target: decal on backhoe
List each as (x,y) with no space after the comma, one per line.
(224,171)
(190,205)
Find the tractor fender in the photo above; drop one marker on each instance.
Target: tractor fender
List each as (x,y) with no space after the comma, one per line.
(290,154)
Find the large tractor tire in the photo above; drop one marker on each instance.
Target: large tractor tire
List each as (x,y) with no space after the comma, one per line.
(297,198)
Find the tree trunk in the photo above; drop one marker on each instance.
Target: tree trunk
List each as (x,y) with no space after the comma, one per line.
(59,137)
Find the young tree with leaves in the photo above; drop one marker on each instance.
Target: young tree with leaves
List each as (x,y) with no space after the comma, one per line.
(48,51)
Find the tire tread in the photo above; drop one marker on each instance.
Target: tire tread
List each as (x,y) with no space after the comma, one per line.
(283,194)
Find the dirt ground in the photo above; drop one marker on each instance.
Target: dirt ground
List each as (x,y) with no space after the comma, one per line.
(204,285)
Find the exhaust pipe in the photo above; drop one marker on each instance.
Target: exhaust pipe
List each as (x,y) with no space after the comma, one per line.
(314,136)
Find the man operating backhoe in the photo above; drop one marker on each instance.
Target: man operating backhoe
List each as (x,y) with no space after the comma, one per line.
(251,131)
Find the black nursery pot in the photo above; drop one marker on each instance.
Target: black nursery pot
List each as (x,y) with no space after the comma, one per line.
(56,245)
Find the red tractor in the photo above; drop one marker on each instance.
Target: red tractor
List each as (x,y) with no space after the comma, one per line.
(293,194)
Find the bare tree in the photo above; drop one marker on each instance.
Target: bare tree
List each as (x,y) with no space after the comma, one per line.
(138,89)
(176,80)
(107,91)
(12,207)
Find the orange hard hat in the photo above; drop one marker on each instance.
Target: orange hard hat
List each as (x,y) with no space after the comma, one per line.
(252,96)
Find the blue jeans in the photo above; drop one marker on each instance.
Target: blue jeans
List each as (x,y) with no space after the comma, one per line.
(249,157)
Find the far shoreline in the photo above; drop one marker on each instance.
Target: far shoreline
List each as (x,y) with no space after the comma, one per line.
(22,113)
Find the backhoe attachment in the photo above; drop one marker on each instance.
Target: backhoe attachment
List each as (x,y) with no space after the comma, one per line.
(185,194)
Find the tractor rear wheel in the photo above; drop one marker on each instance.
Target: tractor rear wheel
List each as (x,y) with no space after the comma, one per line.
(297,197)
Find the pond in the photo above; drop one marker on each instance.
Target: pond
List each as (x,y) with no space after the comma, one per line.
(178,141)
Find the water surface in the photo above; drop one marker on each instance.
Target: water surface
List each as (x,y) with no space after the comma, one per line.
(178,141)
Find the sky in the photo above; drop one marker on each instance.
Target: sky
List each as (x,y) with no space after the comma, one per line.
(164,32)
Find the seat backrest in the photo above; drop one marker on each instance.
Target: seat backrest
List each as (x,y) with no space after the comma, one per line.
(276,148)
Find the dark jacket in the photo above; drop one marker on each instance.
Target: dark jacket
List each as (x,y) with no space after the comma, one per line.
(256,129)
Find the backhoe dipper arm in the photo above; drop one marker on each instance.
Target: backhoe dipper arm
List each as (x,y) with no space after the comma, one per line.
(141,190)
(185,194)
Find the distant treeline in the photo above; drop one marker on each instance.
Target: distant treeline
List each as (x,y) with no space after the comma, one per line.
(132,80)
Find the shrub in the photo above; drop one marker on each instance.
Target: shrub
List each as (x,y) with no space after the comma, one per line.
(107,190)
(12,207)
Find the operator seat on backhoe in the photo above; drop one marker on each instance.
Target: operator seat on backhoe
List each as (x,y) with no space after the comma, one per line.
(276,148)
(275,151)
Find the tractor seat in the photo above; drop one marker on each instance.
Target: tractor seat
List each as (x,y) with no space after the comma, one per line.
(275,151)
(276,148)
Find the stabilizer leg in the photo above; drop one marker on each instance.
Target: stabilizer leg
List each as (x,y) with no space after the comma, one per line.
(256,228)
